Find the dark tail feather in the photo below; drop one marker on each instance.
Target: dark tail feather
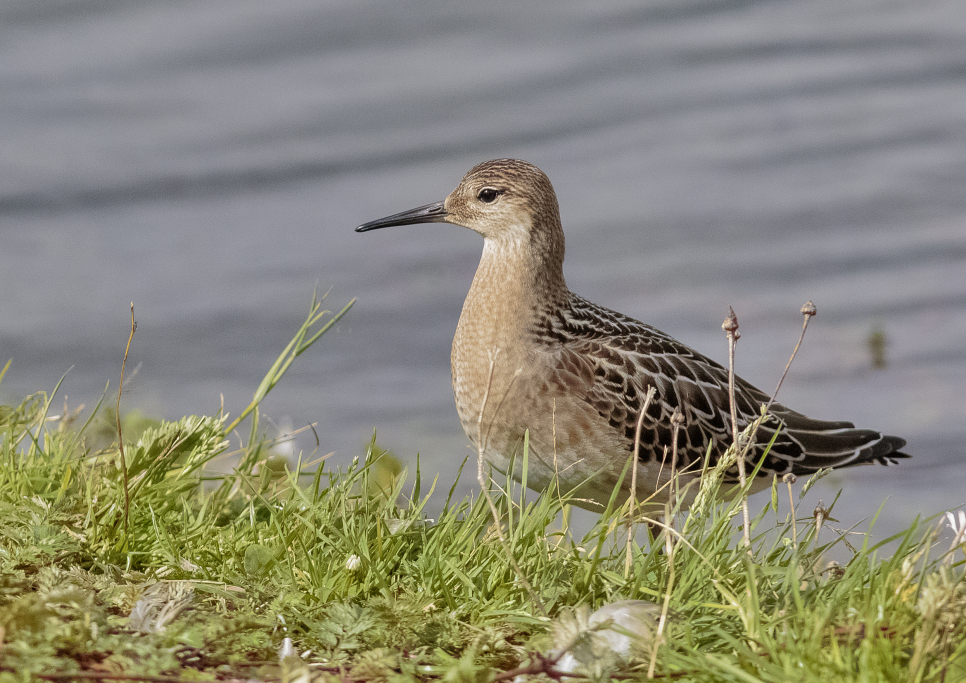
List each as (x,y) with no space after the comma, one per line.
(839,444)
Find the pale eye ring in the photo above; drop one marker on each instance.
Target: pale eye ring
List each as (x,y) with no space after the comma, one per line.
(488,195)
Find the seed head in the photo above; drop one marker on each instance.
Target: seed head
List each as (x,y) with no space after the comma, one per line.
(730,324)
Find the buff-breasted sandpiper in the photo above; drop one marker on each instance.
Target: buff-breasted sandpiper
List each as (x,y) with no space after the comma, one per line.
(532,355)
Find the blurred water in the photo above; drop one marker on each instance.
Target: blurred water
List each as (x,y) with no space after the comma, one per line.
(209,162)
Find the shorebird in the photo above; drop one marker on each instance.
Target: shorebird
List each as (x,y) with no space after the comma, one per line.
(530,355)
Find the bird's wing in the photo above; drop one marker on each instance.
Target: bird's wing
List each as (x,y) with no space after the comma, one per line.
(612,360)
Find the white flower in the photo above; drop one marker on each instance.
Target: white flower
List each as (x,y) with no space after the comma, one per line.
(353,563)
(286,649)
(958,526)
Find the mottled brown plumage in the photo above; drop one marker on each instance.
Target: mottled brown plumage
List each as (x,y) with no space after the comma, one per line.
(534,356)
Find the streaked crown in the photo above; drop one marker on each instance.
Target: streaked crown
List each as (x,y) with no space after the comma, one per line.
(507,198)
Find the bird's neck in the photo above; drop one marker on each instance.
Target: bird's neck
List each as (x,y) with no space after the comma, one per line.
(512,290)
(513,285)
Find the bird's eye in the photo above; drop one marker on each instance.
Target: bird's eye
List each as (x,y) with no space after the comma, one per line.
(488,195)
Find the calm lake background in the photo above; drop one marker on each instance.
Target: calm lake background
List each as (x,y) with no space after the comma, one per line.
(209,161)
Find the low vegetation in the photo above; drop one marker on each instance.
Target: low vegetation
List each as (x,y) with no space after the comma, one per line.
(141,563)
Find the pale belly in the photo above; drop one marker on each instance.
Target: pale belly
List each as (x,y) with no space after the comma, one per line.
(570,450)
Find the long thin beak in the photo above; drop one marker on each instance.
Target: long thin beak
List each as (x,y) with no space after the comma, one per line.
(431,213)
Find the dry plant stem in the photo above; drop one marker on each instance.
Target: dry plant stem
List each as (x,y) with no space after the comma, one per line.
(790,479)
(106,676)
(669,547)
(539,665)
(553,428)
(677,419)
(120,440)
(485,484)
(632,510)
(565,521)
(730,326)
(808,311)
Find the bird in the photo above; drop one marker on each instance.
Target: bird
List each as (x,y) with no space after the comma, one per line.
(532,359)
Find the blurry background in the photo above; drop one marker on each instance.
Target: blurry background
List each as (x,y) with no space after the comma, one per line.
(209,161)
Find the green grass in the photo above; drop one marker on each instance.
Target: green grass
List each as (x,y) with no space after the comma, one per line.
(346,565)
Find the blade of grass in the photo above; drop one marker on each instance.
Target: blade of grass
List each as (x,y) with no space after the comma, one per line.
(299,344)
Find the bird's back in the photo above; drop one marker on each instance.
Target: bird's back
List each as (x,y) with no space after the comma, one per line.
(609,360)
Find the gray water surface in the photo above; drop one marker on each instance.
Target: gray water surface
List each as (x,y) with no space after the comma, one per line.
(209,161)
